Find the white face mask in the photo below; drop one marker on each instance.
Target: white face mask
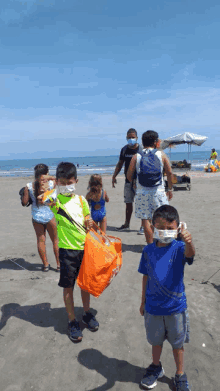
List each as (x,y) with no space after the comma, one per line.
(66,190)
(165,235)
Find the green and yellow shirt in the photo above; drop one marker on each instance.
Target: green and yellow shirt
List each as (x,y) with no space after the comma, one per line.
(71,234)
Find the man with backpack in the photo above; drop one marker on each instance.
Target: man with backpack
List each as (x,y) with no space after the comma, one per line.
(150,164)
(126,154)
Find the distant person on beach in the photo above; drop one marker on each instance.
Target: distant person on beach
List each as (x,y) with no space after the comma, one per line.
(73,218)
(150,193)
(42,218)
(213,155)
(97,197)
(126,154)
(213,159)
(163,302)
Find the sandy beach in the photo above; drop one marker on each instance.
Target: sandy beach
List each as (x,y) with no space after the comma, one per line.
(36,353)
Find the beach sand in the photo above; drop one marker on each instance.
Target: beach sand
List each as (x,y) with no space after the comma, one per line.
(36,354)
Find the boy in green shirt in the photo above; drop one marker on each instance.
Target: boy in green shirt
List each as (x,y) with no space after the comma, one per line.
(73,219)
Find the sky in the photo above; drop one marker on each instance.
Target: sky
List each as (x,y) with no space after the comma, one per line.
(76,75)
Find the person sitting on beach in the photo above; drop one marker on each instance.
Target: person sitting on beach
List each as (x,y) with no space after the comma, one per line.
(73,217)
(97,197)
(163,302)
(150,194)
(42,218)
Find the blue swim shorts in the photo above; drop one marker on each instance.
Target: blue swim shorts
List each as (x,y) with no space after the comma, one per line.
(175,328)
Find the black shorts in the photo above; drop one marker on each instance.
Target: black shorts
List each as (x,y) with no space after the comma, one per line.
(70,262)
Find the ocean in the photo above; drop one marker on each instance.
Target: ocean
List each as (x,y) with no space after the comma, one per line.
(91,164)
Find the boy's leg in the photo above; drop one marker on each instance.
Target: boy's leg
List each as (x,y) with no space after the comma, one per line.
(177,327)
(148,230)
(155,335)
(156,353)
(85,300)
(88,318)
(69,304)
(70,262)
(179,360)
(75,334)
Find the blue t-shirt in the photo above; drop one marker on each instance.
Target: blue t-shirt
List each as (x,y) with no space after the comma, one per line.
(164,266)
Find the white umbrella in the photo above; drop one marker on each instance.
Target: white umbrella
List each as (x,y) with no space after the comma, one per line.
(185,138)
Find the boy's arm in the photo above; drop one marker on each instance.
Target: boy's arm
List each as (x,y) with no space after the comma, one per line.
(187,238)
(131,168)
(143,298)
(168,172)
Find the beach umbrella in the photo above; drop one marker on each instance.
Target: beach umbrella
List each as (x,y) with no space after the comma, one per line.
(185,138)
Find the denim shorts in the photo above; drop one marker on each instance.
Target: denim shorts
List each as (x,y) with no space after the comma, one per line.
(129,193)
(175,328)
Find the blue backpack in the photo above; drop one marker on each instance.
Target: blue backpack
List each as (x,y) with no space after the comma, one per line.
(150,174)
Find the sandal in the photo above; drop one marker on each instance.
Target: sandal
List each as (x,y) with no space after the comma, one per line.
(46,268)
(58,269)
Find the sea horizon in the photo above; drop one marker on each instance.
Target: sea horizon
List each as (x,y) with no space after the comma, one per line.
(90,164)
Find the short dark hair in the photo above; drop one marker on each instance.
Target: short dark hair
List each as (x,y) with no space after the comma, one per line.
(131,130)
(40,169)
(213,149)
(149,137)
(166,212)
(66,170)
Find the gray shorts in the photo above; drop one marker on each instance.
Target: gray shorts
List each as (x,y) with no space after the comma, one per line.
(175,328)
(129,193)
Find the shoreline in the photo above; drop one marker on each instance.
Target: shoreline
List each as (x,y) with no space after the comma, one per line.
(195,174)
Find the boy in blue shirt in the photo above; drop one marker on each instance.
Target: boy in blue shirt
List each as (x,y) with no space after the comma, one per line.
(163,302)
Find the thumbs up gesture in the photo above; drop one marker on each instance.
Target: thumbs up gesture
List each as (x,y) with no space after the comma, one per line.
(185,235)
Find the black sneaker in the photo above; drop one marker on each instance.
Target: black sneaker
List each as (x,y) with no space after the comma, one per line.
(153,372)
(90,321)
(181,383)
(123,228)
(74,331)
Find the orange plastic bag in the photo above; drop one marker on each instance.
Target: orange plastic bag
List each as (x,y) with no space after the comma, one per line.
(101,262)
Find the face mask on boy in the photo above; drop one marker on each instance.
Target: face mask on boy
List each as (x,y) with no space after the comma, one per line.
(66,190)
(132,141)
(165,235)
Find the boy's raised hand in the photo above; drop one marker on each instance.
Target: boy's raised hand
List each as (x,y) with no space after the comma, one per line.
(185,235)
(187,238)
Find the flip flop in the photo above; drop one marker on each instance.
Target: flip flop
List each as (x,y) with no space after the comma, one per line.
(46,268)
